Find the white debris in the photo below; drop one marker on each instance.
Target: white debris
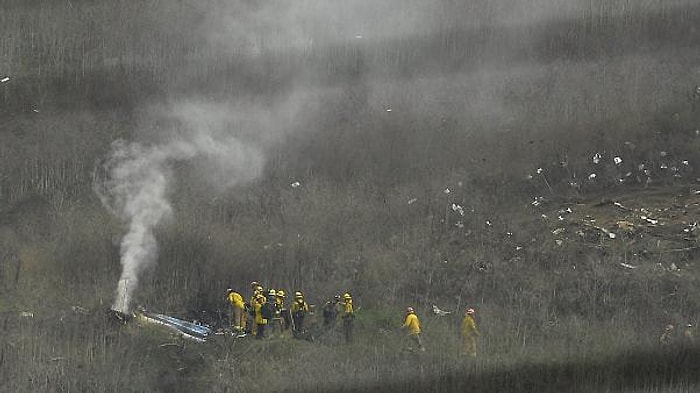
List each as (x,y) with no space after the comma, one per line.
(558,231)
(560,217)
(621,206)
(488,222)
(446,191)
(539,171)
(566,211)
(439,312)
(358,36)
(26,314)
(412,201)
(528,177)
(509,233)
(458,209)
(459,224)
(627,265)
(592,176)
(673,267)
(537,201)
(640,166)
(617,160)
(685,162)
(543,216)
(5,79)
(663,153)
(649,220)
(388,109)
(295,184)
(559,242)
(596,158)
(518,248)
(697,132)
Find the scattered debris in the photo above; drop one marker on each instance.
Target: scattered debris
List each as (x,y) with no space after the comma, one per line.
(187,329)
(605,231)
(622,207)
(596,158)
(627,265)
(295,184)
(26,314)
(539,171)
(488,222)
(558,231)
(617,160)
(5,79)
(537,201)
(458,209)
(439,312)
(625,225)
(412,201)
(649,220)
(592,176)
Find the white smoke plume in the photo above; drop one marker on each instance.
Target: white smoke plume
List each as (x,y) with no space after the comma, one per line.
(138,178)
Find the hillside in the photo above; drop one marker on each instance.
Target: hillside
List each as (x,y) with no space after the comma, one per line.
(537,160)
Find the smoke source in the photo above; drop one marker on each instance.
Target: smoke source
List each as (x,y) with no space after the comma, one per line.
(138,178)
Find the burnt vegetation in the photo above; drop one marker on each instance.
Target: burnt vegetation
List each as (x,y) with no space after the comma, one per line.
(542,167)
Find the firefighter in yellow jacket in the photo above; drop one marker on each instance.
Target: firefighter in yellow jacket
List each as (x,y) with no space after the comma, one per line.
(250,306)
(469,333)
(348,317)
(238,318)
(299,310)
(412,325)
(260,322)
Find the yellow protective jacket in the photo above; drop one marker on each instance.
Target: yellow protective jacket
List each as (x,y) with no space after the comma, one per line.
(300,305)
(348,309)
(469,327)
(236,300)
(257,306)
(412,324)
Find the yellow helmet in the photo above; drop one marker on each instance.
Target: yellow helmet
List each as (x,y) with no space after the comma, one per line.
(347,296)
(280,293)
(298,294)
(272,292)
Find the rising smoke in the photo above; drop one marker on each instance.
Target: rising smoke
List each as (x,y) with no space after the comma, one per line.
(496,66)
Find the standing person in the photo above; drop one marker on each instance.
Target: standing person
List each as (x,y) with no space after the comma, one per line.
(257,290)
(299,310)
(412,325)
(348,317)
(238,318)
(283,319)
(269,311)
(469,333)
(260,321)
(330,312)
